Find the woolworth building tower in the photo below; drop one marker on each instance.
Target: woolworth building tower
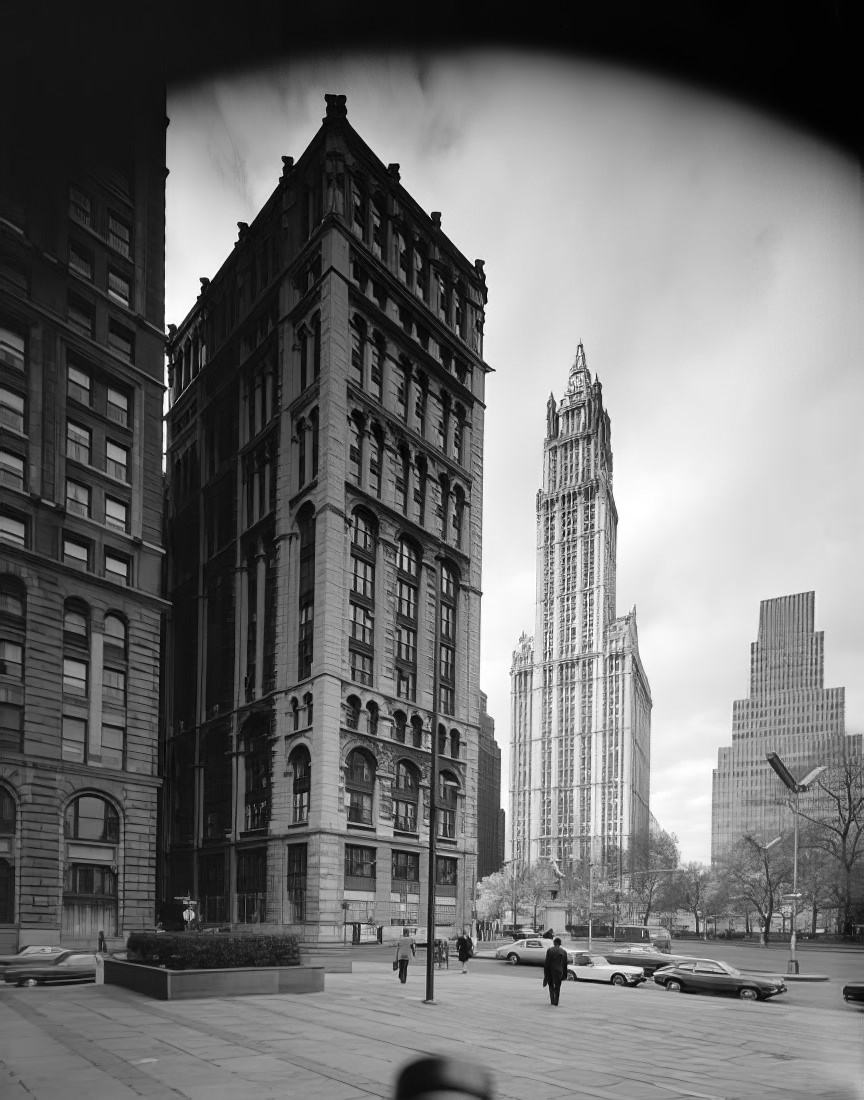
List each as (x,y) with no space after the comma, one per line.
(580,700)
(324,492)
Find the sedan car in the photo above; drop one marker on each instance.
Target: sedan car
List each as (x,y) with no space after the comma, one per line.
(531,951)
(854,991)
(70,966)
(582,967)
(26,954)
(710,976)
(649,958)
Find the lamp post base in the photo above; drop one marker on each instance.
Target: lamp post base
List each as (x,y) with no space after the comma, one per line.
(792,966)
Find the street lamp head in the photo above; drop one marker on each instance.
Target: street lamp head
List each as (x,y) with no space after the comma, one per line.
(771,843)
(811,776)
(782,771)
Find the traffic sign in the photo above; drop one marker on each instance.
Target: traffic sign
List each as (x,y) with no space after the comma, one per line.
(188,914)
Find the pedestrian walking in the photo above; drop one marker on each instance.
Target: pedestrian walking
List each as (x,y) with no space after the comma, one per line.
(555,969)
(464,949)
(405,952)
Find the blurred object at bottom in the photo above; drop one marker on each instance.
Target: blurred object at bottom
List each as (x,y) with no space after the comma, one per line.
(443,1079)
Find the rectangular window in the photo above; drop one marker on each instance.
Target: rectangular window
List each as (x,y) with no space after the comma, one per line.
(447,824)
(80,315)
(114,686)
(447,700)
(81,260)
(360,807)
(119,235)
(11,659)
(406,644)
(448,663)
(359,862)
(116,514)
(77,442)
(117,407)
(78,385)
(80,206)
(11,348)
(74,738)
(118,287)
(74,677)
(12,529)
(11,411)
(121,340)
(361,668)
(445,871)
(363,579)
(405,683)
(12,470)
(362,624)
(77,498)
(304,662)
(76,553)
(406,866)
(116,568)
(448,622)
(11,730)
(405,816)
(116,460)
(407,600)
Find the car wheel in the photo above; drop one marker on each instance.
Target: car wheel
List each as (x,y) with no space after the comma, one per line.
(571,977)
(674,987)
(513,959)
(29,981)
(618,979)
(747,993)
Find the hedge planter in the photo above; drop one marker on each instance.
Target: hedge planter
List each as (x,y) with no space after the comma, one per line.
(175,985)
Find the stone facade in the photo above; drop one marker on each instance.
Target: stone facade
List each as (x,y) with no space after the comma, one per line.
(82,253)
(324,497)
(580,701)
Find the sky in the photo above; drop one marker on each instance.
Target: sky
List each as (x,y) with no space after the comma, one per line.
(709,258)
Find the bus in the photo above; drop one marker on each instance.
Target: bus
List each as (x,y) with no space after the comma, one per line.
(653,935)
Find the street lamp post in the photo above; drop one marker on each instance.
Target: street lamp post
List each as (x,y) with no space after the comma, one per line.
(795,787)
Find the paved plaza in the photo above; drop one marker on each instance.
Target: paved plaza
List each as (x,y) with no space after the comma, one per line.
(105,1043)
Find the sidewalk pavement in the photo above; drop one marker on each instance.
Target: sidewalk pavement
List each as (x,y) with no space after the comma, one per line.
(349,1042)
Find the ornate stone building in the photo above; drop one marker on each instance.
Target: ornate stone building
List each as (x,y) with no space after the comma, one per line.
(82,365)
(580,701)
(324,481)
(788,711)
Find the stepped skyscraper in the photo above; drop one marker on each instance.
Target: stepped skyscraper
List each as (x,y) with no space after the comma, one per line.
(580,700)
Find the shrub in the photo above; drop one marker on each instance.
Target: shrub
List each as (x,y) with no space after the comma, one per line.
(193,951)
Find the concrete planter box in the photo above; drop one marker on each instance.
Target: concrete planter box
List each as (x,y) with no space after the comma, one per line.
(178,985)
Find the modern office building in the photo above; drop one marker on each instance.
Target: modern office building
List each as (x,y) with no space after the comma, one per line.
(324,494)
(789,711)
(580,700)
(82,364)
(490,833)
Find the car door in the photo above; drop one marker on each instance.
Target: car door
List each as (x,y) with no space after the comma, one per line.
(710,976)
(535,951)
(73,966)
(584,969)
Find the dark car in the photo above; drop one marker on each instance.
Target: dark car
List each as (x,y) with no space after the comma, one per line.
(31,954)
(637,954)
(854,991)
(710,976)
(70,966)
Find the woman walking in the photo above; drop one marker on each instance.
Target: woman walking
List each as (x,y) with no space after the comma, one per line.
(405,951)
(464,949)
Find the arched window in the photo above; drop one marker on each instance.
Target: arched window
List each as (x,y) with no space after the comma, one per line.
(358,351)
(372,718)
(306,594)
(458,515)
(448,787)
(421,402)
(115,637)
(376,364)
(92,818)
(352,712)
(307,702)
(295,714)
(355,448)
(406,795)
(455,744)
(459,435)
(420,489)
(7,870)
(400,721)
(442,741)
(376,453)
(360,786)
(407,594)
(301,764)
(417,731)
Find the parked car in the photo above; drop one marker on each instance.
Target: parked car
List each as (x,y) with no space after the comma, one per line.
(582,967)
(69,966)
(31,952)
(649,958)
(710,976)
(854,991)
(530,951)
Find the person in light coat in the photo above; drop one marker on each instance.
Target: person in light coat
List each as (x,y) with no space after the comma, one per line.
(405,952)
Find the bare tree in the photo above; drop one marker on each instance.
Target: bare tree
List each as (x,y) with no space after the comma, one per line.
(757,875)
(837,816)
(652,870)
(691,890)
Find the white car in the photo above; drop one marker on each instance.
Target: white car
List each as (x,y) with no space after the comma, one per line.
(530,951)
(583,967)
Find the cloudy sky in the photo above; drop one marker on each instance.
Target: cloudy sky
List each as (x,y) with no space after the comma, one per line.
(710,260)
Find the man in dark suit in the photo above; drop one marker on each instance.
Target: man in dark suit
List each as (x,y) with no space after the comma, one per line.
(555,969)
